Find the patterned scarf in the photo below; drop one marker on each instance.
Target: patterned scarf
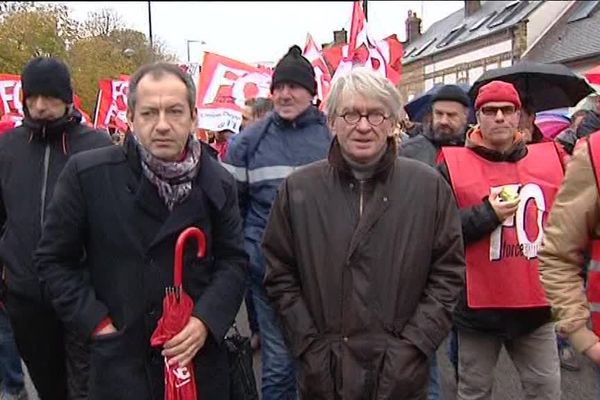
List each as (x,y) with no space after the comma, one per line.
(173,179)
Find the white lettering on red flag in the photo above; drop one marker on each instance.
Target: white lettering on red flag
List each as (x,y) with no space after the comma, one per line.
(10,94)
(111,107)
(314,55)
(224,86)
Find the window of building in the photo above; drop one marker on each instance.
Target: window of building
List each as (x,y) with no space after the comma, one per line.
(450,79)
(507,13)
(475,73)
(482,21)
(428,84)
(585,10)
(454,33)
(425,46)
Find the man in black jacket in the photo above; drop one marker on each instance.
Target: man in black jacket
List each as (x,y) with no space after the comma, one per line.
(31,158)
(450,113)
(117,213)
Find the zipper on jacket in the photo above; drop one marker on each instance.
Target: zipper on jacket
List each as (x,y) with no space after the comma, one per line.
(361,199)
(45,182)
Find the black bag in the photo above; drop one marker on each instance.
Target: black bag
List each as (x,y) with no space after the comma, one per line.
(242,382)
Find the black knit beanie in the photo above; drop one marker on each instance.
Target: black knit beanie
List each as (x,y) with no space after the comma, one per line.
(295,68)
(47,77)
(451,93)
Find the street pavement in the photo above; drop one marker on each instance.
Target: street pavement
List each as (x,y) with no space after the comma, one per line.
(580,385)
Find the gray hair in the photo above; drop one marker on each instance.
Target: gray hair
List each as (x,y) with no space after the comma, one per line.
(365,82)
(157,70)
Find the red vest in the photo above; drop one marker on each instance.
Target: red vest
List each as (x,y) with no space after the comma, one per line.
(502,267)
(593,281)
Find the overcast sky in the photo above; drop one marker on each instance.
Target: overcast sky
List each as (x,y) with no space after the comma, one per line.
(260,31)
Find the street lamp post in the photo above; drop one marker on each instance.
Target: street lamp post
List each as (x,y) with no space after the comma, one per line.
(150,26)
(187,43)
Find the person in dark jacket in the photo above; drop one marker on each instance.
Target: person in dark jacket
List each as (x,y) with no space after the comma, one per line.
(494,151)
(117,213)
(293,135)
(362,307)
(255,109)
(450,112)
(32,157)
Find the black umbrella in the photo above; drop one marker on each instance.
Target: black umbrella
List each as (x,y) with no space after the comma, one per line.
(419,107)
(541,86)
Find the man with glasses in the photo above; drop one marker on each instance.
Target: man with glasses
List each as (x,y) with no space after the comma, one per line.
(362,307)
(504,190)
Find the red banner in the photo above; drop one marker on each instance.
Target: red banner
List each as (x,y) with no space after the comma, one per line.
(225,85)
(313,53)
(10,94)
(111,106)
(383,56)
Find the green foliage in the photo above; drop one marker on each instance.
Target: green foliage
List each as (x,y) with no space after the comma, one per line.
(100,47)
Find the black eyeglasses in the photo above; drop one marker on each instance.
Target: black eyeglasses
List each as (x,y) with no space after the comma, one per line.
(374,118)
(492,111)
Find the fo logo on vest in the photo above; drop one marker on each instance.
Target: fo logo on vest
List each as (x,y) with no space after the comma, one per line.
(529,217)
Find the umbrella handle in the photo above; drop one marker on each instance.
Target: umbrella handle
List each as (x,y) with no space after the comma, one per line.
(183,237)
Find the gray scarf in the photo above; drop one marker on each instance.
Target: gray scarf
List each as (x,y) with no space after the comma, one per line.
(173,179)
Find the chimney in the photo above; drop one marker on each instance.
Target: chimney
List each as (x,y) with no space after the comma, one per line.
(413,27)
(340,37)
(471,7)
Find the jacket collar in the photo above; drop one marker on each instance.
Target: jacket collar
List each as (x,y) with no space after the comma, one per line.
(310,116)
(337,161)
(517,151)
(51,130)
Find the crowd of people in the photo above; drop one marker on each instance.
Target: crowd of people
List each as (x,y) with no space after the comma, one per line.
(358,241)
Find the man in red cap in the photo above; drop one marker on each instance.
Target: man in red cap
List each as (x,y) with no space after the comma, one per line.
(504,189)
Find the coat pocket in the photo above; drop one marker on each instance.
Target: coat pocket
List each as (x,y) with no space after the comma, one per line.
(404,373)
(315,377)
(115,373)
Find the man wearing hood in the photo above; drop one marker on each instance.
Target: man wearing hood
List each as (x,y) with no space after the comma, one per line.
(31,158)
(450,113)
(294,135)
(504,189)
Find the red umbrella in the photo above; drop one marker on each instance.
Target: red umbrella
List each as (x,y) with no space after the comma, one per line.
(177,310)
(593,75)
